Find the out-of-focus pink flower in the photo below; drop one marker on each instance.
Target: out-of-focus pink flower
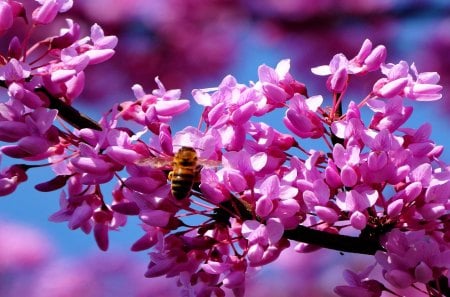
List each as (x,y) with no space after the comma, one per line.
(15,255)
(6,16)
(423,255)
(48,10)
(8,11)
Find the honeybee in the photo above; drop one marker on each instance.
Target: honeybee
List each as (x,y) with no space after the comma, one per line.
(185,171)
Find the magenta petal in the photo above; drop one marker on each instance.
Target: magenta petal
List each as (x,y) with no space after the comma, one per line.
(263,207)
(423,273)
(99,55)
(101,236)
(33,145)
(143,184)
(122,155)
(243,113)
(157,218)
(274,93)
(214,267)
(159,269)
(339,80)
(234,180)
(348,291)
(91,165)
(75,85)
(376,58)
(274,230)
(255,253)
(248,227)
(145,242)
(327,214)
(395,207)
(234,279)
(46,13)
(349,176)
(393,88)
(358,220)
(432,211)
(267,74)
(11,131)
(127,208)
(81,214)
(7,186)
(258,161)
(399,278)
(6,16)
(365,50)
(173,107)
(62,75)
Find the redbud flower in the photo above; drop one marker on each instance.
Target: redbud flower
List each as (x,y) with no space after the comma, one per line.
(8,11)
(11,177)
(46,13)
(6,16)
(337,71)
(301,118)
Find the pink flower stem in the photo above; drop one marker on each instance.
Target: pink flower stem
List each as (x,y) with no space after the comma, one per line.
(336,114)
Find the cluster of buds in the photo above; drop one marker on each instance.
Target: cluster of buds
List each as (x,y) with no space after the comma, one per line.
(248,189)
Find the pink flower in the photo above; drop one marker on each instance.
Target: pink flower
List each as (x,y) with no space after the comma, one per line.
(277,84)
(337,71)
(398,81)
(263,241)
(340,67)
(8,11)
(411,257)
(357,199)
(67,37)
(301,117)
(389,114)
(16,256)
(11,177)
(6,17)
(154,109)
(46,13)
(425,88)
(14,71)
(360,285)
(367,59)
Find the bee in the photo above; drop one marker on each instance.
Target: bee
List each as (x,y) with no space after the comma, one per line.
(185,173)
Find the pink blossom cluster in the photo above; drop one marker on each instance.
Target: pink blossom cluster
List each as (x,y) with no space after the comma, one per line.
(259,186)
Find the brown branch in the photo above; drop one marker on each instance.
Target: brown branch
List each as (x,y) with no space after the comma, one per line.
(343,243)
(65,111)
(68,113)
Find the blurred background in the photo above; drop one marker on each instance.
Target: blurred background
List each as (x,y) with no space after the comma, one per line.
(194,44)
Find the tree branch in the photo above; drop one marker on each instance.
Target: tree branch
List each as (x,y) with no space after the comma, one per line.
(343,243)
(68,113)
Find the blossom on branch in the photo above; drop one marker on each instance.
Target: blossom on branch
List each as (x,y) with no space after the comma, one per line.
(220,200)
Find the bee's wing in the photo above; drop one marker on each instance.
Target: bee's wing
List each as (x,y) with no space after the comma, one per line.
(209,163)
(155,162)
